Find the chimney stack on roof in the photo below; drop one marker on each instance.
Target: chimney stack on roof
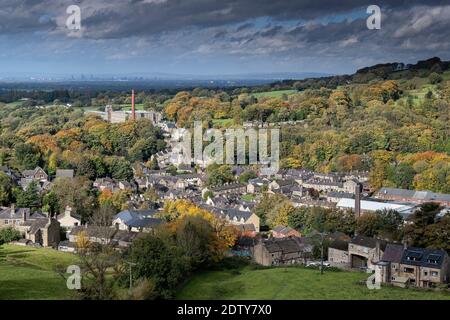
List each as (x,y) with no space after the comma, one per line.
(358,190)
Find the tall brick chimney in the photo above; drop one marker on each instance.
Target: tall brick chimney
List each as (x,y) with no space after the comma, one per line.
(358,190)
(133,111)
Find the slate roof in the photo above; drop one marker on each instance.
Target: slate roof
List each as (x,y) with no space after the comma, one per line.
(72,214)
(285,245)
(284,183)
(230,186)
(188,176)
(36,225)
(245,242)
(283,229)
(368,242)
(246,227)
(5,213)
(103,232)
(339,245)
(143,222)
(418,195)
(128,215)
(334,194)
(31,173)
(424,257)
(234,213)
(393,253)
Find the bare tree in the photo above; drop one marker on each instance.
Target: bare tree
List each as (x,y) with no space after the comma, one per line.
(100,258)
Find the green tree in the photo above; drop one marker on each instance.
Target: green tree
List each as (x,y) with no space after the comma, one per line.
(9,234)
(368,224)
(403,176)
(5,189)
(390,224)
(437,235)
(154,164)
(219,174)
(50,203)
(120,169)
(158,261)
(30,197)
(435,78)
(27,156)
(417,233)
(172,170)
(247,175)
(87,168)
(297,219)
(75,193)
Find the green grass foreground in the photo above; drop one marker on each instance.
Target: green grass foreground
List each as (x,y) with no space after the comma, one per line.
(292,283)
(29,273)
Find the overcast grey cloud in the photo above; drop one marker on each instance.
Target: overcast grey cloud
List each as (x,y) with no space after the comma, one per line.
(209,36)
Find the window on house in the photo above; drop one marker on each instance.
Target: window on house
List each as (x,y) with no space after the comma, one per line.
(408,270)
(434,273)
(425,273)
(411,258)
(6,221)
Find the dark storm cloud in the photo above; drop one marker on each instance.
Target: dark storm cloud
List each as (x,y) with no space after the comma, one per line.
(326,35)
(122,18)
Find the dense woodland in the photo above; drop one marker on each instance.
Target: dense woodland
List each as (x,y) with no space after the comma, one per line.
(398,130)
(391,120)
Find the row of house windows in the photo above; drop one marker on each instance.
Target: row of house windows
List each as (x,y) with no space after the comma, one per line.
(11,221)
(425,273)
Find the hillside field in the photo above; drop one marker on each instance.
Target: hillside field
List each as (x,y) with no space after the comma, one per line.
(293,283)
(274,94)
(29,273)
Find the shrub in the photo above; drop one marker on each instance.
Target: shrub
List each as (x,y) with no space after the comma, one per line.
(9,234)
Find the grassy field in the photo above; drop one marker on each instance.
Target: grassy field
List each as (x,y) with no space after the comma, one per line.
(123,107)
(127,107)
(292,284)
(223,122)
(14,104)
(248,197)
(274,94)
(28,273)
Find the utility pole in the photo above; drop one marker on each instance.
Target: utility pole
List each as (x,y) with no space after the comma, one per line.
(131,264)
(322,240)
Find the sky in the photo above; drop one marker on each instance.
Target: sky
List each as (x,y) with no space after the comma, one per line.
(210,37)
